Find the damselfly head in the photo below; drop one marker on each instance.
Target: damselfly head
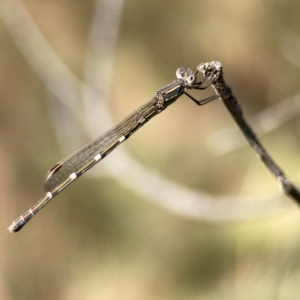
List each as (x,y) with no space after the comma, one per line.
(181,73)
(187,75)
(191,78)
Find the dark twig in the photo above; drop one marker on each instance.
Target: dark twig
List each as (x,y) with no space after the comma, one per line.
(213,73)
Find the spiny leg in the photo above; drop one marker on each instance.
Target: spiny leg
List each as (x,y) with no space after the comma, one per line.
(202,102)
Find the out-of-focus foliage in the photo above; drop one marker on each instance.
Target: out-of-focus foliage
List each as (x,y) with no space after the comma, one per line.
(101,240)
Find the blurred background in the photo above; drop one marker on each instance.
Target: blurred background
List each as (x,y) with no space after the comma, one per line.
(183,209)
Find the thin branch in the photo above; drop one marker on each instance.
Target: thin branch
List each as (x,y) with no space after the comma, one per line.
(213,72)
(99,64)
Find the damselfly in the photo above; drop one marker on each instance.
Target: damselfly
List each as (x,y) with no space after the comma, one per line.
(70,168)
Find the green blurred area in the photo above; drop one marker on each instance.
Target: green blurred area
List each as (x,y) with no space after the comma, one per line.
(101,240)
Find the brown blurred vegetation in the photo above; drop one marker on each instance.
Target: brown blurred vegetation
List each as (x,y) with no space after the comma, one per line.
(101,240)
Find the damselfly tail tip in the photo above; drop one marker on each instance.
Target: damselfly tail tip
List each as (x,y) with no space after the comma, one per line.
(16,225)
(13,227)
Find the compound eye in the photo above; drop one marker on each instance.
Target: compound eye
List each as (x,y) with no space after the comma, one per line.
(191,79)
(180,73)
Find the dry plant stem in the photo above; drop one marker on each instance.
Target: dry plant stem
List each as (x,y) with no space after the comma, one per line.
(214,73)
